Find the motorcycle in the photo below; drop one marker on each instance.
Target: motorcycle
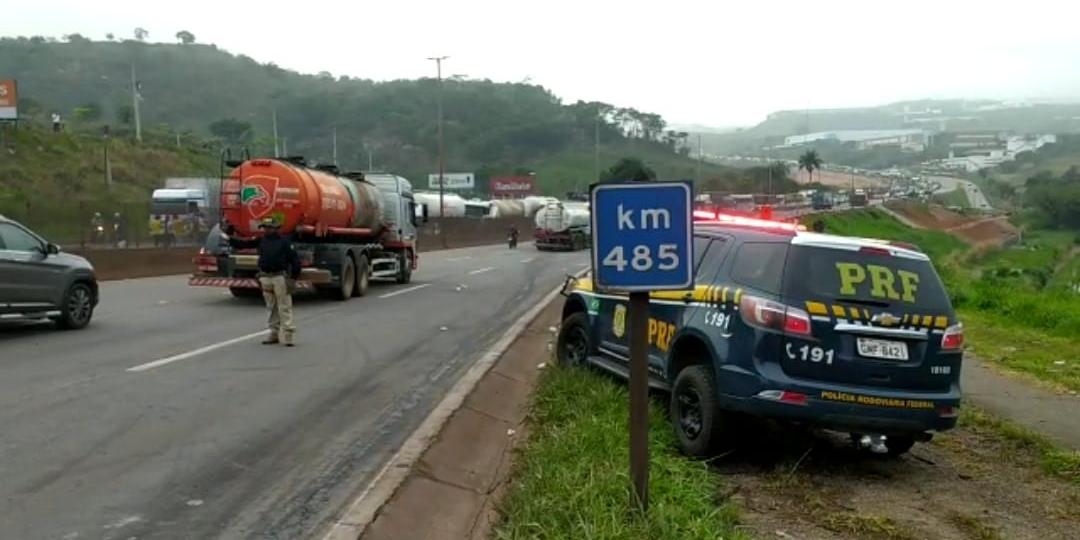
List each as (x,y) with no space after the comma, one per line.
(512,240)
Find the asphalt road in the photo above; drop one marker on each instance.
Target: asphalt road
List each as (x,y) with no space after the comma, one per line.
(974,194)
(242,440)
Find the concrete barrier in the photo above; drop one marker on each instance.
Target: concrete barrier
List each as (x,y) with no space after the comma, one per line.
(437,234)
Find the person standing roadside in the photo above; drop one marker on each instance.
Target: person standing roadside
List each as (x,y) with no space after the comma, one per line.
(56,122)
(279,266)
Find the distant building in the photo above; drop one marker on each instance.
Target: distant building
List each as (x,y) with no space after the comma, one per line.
(908,140)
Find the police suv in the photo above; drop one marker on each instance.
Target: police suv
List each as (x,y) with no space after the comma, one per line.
(849,334)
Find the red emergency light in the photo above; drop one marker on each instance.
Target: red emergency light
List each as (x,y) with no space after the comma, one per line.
(706,216)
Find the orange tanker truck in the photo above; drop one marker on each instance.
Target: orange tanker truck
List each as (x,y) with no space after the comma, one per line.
(346,228)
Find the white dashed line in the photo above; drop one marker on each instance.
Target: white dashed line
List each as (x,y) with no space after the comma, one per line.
(196,352)
(529,260)
(403,291)
(452,259)
(481,270)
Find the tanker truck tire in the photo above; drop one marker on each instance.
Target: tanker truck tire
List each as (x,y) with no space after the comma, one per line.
(404,268)
(363,276)
(347,286)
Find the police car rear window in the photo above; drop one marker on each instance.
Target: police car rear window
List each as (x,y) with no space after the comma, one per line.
(834,275)
(760,265)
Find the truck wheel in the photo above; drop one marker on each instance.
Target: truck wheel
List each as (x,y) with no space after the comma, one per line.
(244,292)
(363,276)
(695,414)
(348,280)
(574,344)
(78,307)
(404,268)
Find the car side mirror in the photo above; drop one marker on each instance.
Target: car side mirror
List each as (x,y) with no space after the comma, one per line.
(51,249)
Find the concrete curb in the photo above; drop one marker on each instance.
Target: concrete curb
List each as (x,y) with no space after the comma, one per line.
(363,510)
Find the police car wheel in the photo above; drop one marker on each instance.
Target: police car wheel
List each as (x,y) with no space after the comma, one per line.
(574,346)
(899,444)
(694,413)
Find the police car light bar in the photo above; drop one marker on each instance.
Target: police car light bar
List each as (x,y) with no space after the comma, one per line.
(706,216)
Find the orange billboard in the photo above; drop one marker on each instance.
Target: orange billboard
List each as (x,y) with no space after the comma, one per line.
(8,100)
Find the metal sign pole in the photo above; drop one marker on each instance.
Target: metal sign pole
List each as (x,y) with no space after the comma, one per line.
(639,400)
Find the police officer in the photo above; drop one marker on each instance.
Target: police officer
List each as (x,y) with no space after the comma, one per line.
(279,266)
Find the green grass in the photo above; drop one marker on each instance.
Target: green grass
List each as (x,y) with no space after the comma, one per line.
(1025,350)
(956,197)
(571,479)
(1024,444)
(877,224)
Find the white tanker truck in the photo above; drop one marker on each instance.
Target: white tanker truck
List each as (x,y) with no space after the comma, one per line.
(563,226)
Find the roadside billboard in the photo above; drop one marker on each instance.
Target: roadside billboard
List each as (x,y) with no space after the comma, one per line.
(512,186)
(8,100)
(452,181)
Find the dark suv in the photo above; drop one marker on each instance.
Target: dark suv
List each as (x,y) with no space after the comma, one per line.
(848,334)
(38,281)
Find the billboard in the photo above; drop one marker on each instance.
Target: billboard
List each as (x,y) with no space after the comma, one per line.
(512,186)
(452,181)
(8,100)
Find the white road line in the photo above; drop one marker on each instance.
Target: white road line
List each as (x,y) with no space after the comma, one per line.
(403,291)
(530,259)
(452,259)
(481,270)
(196,352)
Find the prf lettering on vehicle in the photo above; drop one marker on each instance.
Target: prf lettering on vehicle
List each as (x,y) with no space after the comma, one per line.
(881,280)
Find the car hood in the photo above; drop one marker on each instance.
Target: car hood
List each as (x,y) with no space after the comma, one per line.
(73,261)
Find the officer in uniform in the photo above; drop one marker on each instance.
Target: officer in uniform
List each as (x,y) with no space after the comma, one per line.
(279,266)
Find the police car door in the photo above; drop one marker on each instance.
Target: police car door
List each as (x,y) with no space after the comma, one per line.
(704,315)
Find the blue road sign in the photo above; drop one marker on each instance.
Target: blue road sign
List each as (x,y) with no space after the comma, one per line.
(642,236)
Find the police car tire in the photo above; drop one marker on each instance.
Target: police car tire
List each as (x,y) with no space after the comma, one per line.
(571,323)
(899,444)
(712,417)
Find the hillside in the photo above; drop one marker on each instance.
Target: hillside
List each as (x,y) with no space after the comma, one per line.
(203,92)
(55,182)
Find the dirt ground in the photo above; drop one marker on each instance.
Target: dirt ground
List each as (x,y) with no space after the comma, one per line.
(963,485)
(975,230)
(839,179)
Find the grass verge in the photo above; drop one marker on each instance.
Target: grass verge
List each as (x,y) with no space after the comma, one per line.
(1023,444)
(1032,352)
(571,479)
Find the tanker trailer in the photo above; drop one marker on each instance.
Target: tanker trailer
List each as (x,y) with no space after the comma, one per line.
(453,204)
(506,208)
(346,229)
(563,226)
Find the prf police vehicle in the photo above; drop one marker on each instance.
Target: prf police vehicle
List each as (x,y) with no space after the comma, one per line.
(848,334)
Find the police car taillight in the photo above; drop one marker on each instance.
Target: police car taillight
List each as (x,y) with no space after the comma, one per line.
(953,340)
(764,313)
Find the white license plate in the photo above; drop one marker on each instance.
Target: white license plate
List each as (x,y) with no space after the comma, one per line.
(881,348)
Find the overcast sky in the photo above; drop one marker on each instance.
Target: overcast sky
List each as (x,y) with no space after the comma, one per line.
(713,62)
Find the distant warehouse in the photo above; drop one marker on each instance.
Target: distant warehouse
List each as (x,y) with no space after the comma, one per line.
(907,140)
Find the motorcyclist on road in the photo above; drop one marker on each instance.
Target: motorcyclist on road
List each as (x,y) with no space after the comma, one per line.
(279,266)
(513,237)
(97,228)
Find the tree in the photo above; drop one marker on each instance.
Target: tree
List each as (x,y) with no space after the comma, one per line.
(76,38)
(87,112)
(232,130)
(811,162)
(628,169)
(185,37)
(110,36)
(141,34)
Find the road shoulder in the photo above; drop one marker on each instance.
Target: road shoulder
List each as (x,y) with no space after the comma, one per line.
(453,489)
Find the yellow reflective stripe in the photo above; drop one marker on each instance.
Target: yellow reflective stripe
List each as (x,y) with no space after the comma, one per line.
(854,313)
(839,311)
(866,314)
(941,322)
(738,295)
(723,295)
(583,284)
(816,308)
(927,320)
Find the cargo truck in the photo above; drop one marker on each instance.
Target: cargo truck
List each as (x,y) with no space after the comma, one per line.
(346,228)
(563,226)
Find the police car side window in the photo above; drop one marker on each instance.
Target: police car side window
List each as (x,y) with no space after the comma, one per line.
(760,265)
(713,257)
(701,246)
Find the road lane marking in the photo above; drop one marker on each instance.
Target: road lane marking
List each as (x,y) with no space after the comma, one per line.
(196,352)
(452,259)
(361,511)
(481,270)
(529,260)
(403,291)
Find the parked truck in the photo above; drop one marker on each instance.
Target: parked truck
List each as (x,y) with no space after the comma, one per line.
(346,228)
(184,209)
(821,200)
(563,226)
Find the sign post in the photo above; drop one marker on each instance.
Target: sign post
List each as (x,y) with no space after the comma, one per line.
(642,242)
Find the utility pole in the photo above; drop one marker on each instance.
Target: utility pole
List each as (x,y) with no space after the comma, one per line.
(700,158)
(284,146)
(108,161)
(596,145)
(335,146)
(370,160)
(276,152)
(442,157)
(135,99)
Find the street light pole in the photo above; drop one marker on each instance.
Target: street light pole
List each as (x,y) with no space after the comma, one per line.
(442,158)
(135,97)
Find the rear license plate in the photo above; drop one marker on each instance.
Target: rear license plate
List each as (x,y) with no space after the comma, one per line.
(880,348)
